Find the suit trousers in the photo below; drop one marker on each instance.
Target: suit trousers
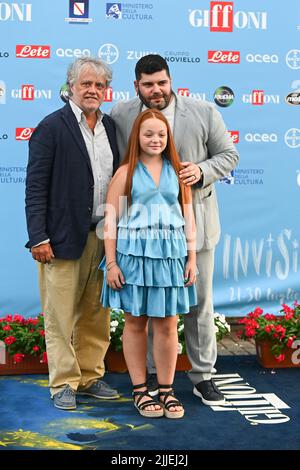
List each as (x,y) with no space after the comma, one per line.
(199,330)
(77,327)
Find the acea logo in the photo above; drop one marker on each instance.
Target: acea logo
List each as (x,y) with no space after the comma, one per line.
(292,138)
(292,59)
(262,58)
(15,11)
(224,96)
(221,18)
(109,53)
(263,137)
(2,92)
(60,52)
(293,98)
(79,12)
(129,11)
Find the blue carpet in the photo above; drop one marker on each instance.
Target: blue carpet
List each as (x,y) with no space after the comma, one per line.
(267,417)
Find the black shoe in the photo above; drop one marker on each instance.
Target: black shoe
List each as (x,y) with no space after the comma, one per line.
(209,393)
(152,384)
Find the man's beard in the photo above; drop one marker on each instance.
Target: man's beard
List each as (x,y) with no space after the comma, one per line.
(149,103)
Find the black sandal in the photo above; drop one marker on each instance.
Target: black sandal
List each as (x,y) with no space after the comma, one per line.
(170,403)
(141,407)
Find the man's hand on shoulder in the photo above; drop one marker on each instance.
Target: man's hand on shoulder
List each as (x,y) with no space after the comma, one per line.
(42,253)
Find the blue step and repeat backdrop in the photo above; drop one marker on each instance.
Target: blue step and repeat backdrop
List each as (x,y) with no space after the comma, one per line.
(243,55)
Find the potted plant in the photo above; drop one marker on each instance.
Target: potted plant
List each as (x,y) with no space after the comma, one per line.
(276,336)
(22,345)
(115,359)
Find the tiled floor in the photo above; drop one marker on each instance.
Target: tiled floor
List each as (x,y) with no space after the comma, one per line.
(231,345)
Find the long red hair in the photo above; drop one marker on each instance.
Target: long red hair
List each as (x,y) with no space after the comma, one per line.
(133,150)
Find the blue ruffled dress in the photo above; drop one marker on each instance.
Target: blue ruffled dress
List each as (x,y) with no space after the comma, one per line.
(152,250)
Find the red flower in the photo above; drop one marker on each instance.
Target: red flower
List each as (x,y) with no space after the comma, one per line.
(290,341)
(288,311)
(270,317)
(18,318)
(6,328)
(44,359)
(280,358)
(279,329)
(42,332)
(289,315)
(257,312)
(18,357)
(9,340)
(269,328)
(36,348)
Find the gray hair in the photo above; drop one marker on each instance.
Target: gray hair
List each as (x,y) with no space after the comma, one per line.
(74,69)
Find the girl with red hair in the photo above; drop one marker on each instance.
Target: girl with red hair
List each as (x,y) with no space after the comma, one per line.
(150,259)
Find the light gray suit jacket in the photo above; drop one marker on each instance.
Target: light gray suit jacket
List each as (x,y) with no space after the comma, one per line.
(200,137)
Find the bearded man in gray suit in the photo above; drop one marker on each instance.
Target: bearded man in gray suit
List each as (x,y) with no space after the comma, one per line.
(207,154)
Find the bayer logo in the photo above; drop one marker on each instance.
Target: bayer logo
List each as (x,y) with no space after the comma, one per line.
(292,138)
(293,59)
(108,53)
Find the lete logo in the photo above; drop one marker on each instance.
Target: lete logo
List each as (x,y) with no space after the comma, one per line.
(224,57)
(24,133)
(32,52)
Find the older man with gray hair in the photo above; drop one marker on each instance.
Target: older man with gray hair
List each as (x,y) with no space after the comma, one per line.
(72,157)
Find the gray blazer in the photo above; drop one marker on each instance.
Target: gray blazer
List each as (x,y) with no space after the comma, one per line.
(200,137)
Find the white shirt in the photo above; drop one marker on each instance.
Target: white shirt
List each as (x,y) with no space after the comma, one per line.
(100,154)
